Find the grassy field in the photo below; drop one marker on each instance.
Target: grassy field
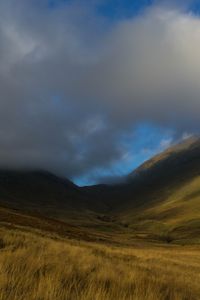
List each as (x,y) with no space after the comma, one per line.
(35,267)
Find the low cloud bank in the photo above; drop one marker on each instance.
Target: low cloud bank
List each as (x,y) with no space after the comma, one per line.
(71,83)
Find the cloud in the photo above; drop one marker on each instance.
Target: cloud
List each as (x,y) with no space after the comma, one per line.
(72,83)
(166,143)
(186,135)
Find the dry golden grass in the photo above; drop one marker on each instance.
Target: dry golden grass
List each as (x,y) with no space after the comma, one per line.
(33,267)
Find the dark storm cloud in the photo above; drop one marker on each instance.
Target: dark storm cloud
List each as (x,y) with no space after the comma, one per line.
(71,83)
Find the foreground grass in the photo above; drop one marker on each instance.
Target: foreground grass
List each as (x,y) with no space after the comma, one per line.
(33,267)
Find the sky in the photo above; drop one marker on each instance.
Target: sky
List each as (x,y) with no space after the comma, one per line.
(91,89)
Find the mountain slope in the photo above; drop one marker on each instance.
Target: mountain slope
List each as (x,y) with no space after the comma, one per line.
(44,193)
(160,199)
(163,195)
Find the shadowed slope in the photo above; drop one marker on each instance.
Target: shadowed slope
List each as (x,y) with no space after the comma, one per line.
(45,193)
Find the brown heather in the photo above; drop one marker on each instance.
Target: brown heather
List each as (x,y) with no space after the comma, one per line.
(34,267)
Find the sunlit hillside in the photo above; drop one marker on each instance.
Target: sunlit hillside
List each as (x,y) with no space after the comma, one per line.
(162,197)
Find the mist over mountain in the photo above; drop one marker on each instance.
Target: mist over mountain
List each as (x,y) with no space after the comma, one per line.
(74,83)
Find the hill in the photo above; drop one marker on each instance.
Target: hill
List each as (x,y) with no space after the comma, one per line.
(159,200)
(163,195)
(44,193)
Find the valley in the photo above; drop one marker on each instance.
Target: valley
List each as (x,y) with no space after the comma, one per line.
(136,240)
